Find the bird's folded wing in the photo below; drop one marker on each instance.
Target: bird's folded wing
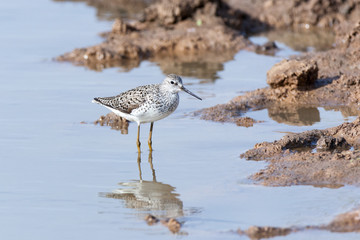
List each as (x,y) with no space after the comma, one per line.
(124,102)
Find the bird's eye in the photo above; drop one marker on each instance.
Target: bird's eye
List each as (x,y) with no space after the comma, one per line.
(172,82)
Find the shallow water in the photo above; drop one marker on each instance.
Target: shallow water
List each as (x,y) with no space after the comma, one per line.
(61,179)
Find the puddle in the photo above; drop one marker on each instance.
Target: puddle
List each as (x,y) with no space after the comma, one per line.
(63,179)
(303,40)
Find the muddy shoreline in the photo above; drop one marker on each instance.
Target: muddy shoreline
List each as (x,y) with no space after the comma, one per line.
(209,32)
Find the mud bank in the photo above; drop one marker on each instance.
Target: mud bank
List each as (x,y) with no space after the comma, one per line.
(301,14)
(327,79)
(346,222)
(181,30)
(204,33)
(324,158)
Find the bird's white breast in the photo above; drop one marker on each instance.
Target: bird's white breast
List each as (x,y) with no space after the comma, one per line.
(157,108)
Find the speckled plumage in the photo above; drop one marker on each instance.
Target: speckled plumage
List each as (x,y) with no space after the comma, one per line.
(147,103)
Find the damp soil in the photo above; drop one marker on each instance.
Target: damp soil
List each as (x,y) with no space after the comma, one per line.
(328,158)
(319,79)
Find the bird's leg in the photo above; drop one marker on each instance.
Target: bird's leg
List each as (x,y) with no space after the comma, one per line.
(139,165)
(150,136)
(151,166)
(138,139)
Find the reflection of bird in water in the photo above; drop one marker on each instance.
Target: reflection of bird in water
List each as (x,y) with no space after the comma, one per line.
(148,103)
(157,197)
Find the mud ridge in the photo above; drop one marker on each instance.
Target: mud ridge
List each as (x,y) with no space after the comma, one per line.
(322,158)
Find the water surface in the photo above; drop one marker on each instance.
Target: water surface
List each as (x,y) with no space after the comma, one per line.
(61,179)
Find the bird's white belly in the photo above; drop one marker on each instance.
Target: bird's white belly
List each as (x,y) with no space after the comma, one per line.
(151,115)
(155,109)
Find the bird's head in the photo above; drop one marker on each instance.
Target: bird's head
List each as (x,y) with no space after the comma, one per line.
(174,83)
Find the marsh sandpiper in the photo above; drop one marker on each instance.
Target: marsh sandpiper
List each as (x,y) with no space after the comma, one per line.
(147,103)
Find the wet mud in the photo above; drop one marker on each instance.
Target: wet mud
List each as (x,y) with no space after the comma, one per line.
(114,121)
(323,158)
(203,33)
(328,79)
(185,31)
(346,222)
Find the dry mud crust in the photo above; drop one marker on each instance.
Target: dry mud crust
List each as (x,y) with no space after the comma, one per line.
(328,158)
(174,28)
(346,222)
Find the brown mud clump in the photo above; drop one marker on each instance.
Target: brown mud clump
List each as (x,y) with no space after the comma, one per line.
(114,121)
(172,224)
(227,113)
(323,158)
(346,222)
(293,73)
(176,29)
(255,232)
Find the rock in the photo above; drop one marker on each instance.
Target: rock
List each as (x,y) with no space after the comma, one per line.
(293,73)
(327,143)
(121,27)
(268,48)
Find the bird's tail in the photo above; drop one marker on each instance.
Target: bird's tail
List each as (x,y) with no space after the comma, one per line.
(95,100)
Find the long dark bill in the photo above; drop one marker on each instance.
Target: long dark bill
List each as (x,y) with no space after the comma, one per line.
(187,91)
